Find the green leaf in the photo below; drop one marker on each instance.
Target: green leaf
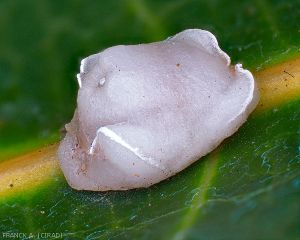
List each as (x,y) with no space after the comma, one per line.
(248,188)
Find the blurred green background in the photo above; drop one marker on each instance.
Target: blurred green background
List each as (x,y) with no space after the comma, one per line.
(42,43)
(250,188)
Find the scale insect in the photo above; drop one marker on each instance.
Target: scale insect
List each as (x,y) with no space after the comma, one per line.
(145,112)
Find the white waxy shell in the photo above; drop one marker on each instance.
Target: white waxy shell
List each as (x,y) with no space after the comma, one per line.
(145,112)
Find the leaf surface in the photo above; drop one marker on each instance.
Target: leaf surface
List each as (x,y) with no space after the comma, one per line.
(248,188)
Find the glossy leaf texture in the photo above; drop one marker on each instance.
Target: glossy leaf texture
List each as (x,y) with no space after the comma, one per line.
(248,188)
